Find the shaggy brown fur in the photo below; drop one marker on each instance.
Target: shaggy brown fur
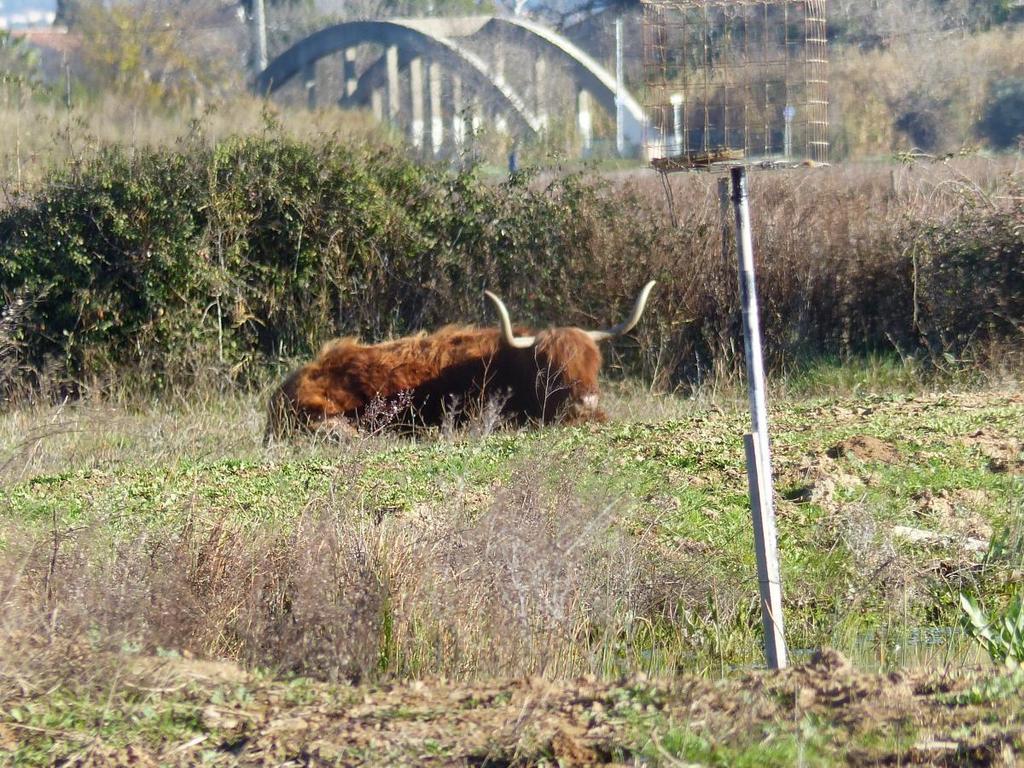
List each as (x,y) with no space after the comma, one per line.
(441,375)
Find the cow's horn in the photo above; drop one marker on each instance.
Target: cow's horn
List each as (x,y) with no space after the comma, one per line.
(522,342)
(627,325)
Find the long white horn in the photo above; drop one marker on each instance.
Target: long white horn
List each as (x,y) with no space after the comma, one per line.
(627,325)
(522,342)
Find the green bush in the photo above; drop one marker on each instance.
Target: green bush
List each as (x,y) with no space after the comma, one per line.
(195,259)
(261,248)
(109,253)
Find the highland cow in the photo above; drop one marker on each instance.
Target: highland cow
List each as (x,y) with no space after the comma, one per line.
(430,378)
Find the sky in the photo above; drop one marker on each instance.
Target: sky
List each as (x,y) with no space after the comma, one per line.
(21,6)
(26,13)
(8,7)
(11,10)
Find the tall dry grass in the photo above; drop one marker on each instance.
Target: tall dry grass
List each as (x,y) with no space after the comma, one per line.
(850,261)
(921,89)
(42,132)
(537,580)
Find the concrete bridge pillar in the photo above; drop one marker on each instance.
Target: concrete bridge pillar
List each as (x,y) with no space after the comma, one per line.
(436,116)
(349,72)
(584,122)
(499,64)
(678,101)
(309,81)
(458,112)
(394,103)
(377,104)
(540,71)
(476,115)
(416,97)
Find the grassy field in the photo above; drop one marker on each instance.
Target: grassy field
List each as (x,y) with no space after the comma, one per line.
(171,584)
(173,592)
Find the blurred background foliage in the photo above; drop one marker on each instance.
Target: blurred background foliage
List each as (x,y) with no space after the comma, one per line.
(935,75)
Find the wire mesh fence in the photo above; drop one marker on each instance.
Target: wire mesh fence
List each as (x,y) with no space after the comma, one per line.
(735,78)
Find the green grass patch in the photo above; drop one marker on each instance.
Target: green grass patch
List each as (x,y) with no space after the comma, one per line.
(667,497)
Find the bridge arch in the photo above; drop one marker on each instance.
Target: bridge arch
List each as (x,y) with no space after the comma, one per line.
(439,40)
(584,70)
(406,35)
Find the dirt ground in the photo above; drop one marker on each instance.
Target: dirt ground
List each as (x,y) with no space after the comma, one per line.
(822,712)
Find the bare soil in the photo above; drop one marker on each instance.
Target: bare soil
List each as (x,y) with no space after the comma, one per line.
(1004,454)
(858,718)
(865,448)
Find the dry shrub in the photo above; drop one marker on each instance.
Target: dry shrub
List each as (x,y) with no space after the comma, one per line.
(320,604)
(878,568)
(514,584)
(304,601)
(14,311)
(922,260)
(541,581)
(971,268)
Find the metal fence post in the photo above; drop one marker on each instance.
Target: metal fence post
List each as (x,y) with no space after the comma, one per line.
(759,463)
(620,136)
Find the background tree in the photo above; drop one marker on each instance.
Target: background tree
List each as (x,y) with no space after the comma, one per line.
(159,52)
(63,11)
(19,62)
(565,13)
(1003,120)
(345,10)
(247,4)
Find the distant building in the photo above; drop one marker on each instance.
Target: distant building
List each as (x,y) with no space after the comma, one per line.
(56,48)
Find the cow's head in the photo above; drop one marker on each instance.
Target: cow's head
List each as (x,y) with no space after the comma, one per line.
(564,362)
